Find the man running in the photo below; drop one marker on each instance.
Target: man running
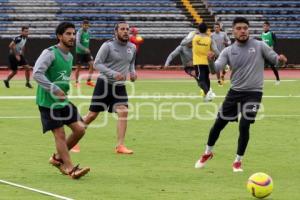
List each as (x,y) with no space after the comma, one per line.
(246,58)
(83,53)
(221,40)
(270,39)
(114,60)
(16,57)
(52,72)
(186,56)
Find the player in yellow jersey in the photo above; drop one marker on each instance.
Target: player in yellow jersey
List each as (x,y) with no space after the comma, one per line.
(202,45)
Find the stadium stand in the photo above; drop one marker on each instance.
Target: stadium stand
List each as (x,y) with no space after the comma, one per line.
(283,15)
(163,23)
(155,18)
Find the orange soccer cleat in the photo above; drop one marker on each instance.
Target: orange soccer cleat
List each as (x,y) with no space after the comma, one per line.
(90,83)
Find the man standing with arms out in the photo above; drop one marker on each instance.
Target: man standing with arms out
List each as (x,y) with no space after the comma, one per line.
(270,39)
(246,58)
(114,60)
(201,45)
(221,40)
(16,57)
(52,72)
(83,53)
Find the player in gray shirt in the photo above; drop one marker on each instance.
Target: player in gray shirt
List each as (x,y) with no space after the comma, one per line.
(185,53)
(221,40)
(16,57)
(186,56)
(115,59)
(246,58)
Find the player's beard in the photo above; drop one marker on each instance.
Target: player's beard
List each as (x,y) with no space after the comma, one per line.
(122,39)
(68,44)
(243,41)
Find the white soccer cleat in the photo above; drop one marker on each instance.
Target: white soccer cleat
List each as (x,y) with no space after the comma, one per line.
(277,82)
(203,160)
(209,96)
(212,94)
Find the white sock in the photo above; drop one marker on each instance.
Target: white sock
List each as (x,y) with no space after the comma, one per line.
(208,149)
(238,158)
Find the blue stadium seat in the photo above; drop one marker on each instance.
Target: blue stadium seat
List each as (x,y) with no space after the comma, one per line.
(43,16)
(283,15)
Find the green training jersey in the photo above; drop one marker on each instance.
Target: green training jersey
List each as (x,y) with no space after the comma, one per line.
(83,38)
(268,38)
(59,73)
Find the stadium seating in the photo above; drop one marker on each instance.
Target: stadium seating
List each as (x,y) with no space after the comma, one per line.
(154,18)
(283,16)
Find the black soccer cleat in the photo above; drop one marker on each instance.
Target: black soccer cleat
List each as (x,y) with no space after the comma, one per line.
(6,83)
(28,85)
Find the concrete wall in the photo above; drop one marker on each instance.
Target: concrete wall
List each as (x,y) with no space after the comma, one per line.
(153,51)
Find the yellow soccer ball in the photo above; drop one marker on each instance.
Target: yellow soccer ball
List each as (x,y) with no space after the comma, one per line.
(260,185)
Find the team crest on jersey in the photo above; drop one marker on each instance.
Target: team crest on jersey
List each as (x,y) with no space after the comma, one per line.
(129,51)
(63,76)
(251,50)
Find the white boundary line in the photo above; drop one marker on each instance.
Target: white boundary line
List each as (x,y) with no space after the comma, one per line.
(214,80)
(20,117)
(35,190)
(146,97)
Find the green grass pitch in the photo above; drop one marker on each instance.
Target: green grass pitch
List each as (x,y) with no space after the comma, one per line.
(167,136)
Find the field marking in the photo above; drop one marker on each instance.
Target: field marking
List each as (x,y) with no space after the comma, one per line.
(35,190)
(20,117)
(191,80)
(147,97)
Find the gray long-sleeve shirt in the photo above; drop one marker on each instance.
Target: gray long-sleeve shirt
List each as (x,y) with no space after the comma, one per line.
(186,55)
(221,40)
(41,66)
(247,64)
(115,57)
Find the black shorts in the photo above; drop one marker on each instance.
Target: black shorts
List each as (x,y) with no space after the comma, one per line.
(107,96)
(56,118)
(246,103)
(83,59)
(14,63)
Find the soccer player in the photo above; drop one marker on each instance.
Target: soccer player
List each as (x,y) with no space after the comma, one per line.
(52,72)
(201,45)
(137,41)
(16,57)
(115,58)
(270,39)
(221,40)
(186,56)
(83,53)
(246,58)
